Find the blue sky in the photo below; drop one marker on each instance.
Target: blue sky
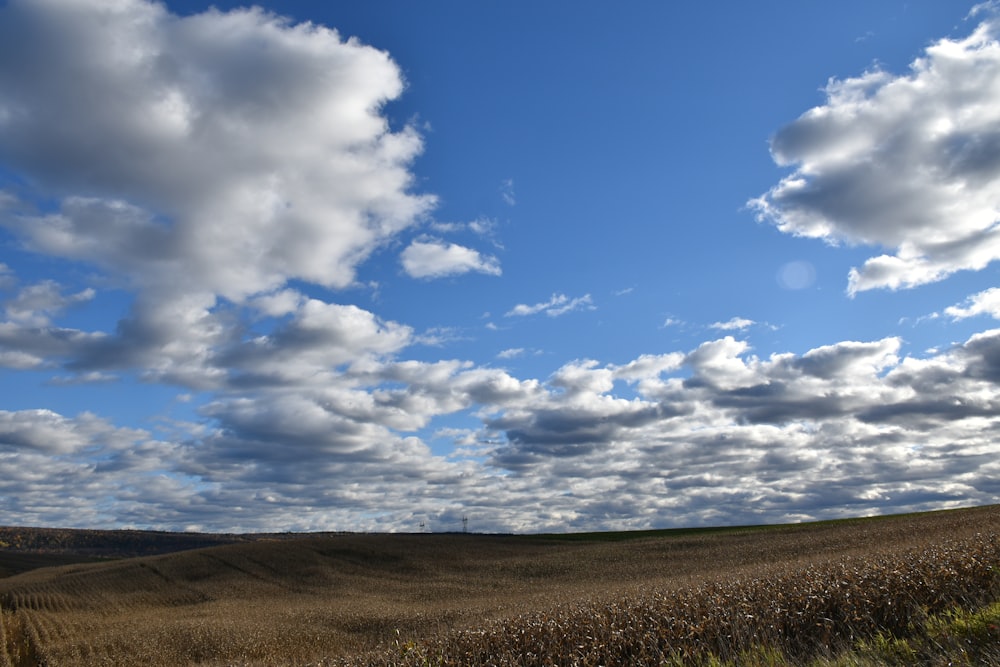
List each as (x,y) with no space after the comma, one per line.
(551,266)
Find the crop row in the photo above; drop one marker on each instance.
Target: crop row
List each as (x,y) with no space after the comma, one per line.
(800,612)
(19,640)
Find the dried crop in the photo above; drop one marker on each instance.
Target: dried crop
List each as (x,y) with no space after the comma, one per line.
(757,596)
(787,614)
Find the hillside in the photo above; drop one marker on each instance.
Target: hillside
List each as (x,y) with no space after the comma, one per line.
(302,599)
(28,548)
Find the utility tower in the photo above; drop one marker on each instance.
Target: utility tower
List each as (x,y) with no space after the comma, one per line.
(465,524)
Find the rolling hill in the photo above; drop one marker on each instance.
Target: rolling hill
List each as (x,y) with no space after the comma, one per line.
(304,599)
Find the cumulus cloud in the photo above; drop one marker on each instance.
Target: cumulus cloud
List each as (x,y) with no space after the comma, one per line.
(713,434)
(318,340)
(24,346)
(202,162)
(904,162)
(842,429)
(648,366)
(223,153)
(36,304)
(986,302)
(431,258)
(48,432)
(559,304)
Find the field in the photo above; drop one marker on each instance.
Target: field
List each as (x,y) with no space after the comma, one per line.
(914,589)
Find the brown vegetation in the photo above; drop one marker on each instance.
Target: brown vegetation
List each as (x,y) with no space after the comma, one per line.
(648,598)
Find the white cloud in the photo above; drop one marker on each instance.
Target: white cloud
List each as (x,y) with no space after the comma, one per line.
(195,143)
(750,437)
(986,302)
(314,345)
(231,153)
(905,162)
(559,304)
(649,366)
(479,226)
(511,353)
(735,324)
(278,304)
(989,6)
(720,363)
(436,259)
(482,226)
(850,358)
(36,304)
(51,433)
(201,162)
(23,345)
(715,434)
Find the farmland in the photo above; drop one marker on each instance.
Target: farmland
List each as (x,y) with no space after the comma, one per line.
(901,586)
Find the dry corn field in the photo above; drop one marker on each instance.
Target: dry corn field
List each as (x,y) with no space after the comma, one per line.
(793,594)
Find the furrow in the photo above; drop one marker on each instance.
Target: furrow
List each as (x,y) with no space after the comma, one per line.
(5,660)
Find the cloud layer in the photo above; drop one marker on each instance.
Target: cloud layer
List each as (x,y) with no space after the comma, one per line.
(714,434)
(227,170)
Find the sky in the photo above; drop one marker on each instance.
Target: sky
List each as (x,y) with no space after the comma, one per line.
(548,267)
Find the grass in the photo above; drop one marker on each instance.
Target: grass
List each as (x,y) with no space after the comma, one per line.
(861,592)
(953,637)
